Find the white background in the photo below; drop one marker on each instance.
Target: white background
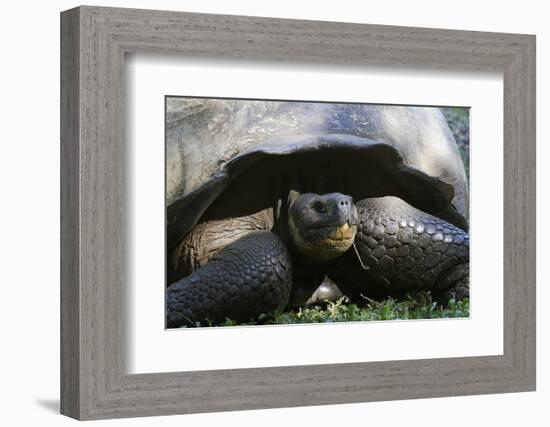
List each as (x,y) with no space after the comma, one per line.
(152,349)
(30,210)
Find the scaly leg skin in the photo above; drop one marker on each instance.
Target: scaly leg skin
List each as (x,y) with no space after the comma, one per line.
(406,249)
(250,276)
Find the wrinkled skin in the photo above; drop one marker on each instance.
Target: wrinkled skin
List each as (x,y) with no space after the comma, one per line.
(322,227)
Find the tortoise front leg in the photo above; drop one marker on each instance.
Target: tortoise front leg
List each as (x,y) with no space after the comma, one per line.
(400,248)
(250,276)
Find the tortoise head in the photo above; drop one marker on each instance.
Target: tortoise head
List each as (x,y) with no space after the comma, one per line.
(322,226)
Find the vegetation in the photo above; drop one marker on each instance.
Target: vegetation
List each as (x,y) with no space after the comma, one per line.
(458,119)
(416,306)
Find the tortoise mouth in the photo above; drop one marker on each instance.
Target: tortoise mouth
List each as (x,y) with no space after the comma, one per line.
(324,249)
(327,242)
(338,232)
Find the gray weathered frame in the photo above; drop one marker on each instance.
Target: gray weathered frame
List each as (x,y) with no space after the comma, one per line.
(94,42)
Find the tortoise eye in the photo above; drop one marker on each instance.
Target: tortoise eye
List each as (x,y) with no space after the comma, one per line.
(319,206)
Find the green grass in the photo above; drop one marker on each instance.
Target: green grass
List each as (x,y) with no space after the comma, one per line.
(418,306)
(465,154)
(459,123)
(461,113)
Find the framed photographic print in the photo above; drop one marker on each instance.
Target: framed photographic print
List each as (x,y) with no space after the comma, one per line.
(348,211)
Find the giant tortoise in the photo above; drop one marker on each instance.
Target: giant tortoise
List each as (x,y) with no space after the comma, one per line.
(278,204)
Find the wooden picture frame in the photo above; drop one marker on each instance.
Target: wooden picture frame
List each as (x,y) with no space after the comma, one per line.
(94,41)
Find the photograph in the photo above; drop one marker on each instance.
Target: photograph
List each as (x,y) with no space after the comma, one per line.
(298,211)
